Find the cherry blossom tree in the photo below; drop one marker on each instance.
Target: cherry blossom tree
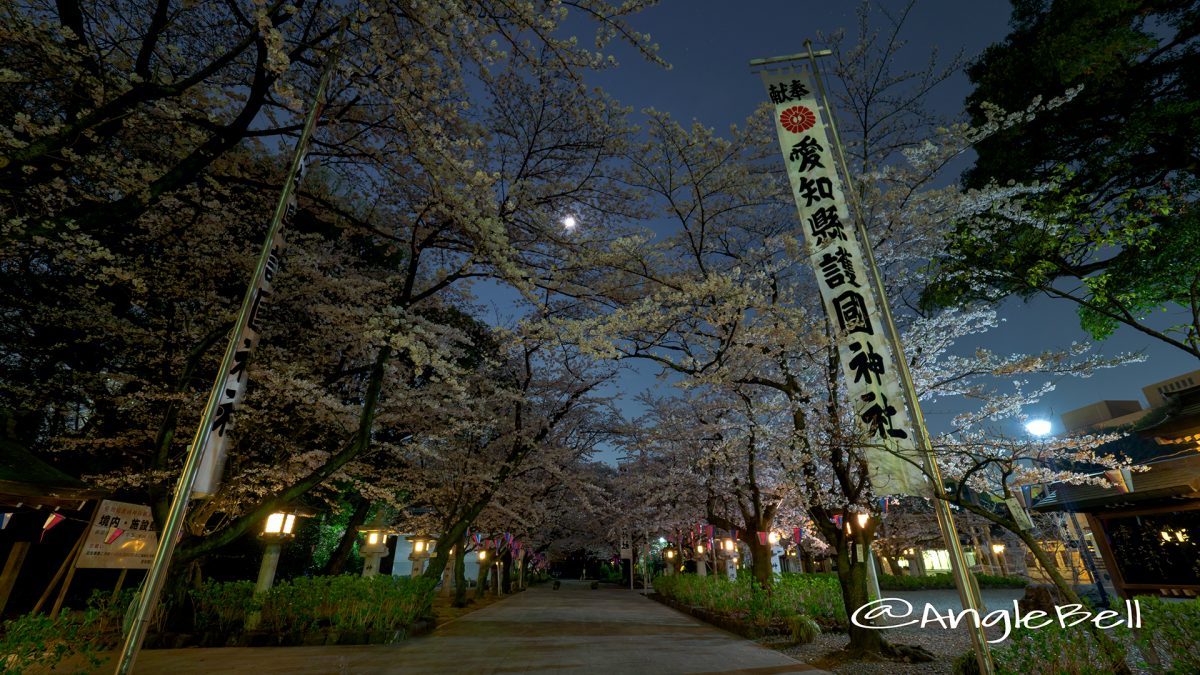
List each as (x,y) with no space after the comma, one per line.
(133,200)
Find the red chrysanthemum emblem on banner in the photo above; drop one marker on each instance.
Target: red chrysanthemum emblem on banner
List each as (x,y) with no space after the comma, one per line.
(797,119)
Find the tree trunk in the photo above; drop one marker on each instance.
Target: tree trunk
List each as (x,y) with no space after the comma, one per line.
(337,560)
(893,564)
(760,564)
(506,576)
(460,579)
(481,587)
(853,577)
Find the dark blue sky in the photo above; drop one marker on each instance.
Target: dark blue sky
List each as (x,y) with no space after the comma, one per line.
(709,44)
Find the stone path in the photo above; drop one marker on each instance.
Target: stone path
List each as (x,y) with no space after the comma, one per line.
(573,630)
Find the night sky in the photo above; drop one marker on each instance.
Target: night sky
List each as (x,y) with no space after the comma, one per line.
(709,44)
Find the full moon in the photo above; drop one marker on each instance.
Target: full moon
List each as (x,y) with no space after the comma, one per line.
(1038,427)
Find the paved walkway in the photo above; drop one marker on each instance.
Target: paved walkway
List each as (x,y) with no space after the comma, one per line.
(573,630)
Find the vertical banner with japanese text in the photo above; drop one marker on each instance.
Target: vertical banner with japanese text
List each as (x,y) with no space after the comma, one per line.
(212,462)
(872,379)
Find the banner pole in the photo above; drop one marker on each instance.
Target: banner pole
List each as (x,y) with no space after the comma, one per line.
(968,592)
(172,529)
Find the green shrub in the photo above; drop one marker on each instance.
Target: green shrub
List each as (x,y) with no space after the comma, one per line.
(1053,649)
(35,642)
(1169,639)
(1166,643)
(347,603)
(945,580)
(997,581)
(222,607)
(306,605)
(817,597)
(804,630)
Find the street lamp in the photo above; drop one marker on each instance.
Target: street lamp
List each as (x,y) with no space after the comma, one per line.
(569,223)
(669,561)
(773,538)
(422,546)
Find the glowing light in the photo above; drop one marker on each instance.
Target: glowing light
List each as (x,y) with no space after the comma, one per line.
(1038,427)
(773,537)
(279,523)
(569,223)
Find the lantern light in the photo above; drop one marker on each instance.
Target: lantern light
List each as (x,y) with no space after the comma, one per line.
(863,518)
(773,537)
(997,548)
(279,524)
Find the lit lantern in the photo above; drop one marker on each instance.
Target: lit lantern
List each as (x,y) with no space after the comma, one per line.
(277,528)
(998,551)
(773,538)
(422,547)
(279,524)
(374,546)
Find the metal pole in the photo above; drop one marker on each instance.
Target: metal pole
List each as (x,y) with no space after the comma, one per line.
(173,527)
(968,592)
(1088,561)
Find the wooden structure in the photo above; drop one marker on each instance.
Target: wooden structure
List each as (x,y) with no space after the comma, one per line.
(1146,524)
(30,490)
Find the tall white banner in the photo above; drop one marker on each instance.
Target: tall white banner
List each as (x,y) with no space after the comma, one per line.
(868,365)
(212,462)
